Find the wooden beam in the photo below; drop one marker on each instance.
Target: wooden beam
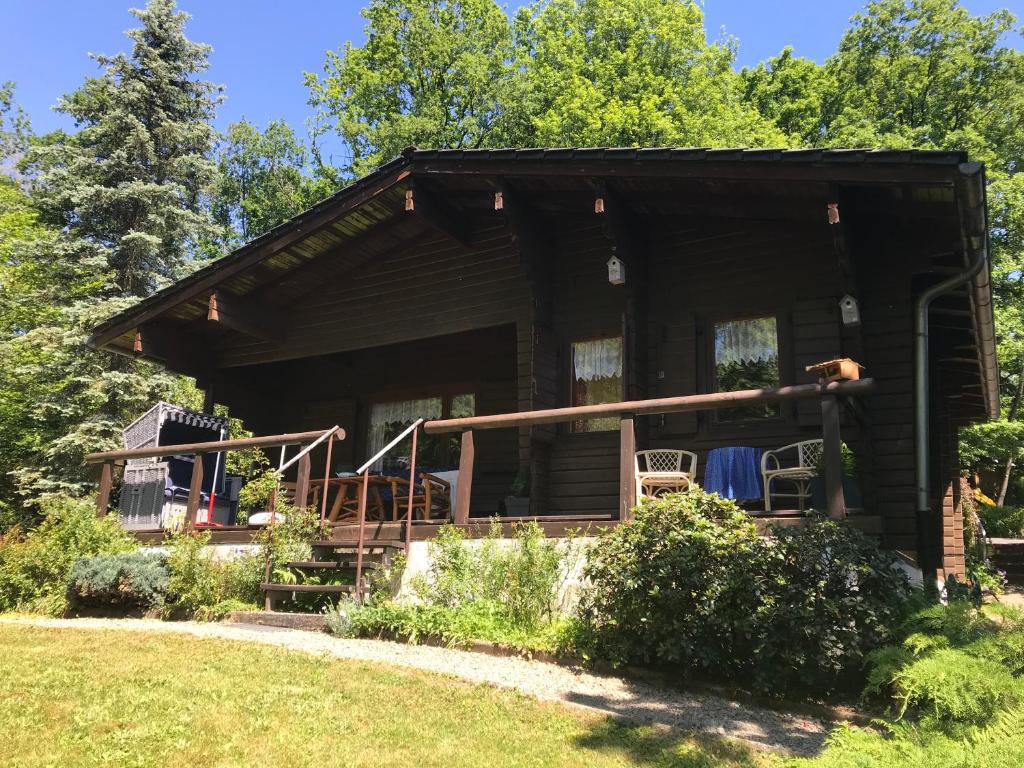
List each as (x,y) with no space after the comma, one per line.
(195,493)
(524,222)
(833,457)
(176,348)
(679,404)
(215,446)
(615,221)
(103,495)
(627,474)
(247,315)
(438,212)
(465,489)
(302,481)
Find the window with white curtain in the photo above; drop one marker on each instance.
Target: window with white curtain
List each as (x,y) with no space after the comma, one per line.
(434,452)
(747,357)
(596,379)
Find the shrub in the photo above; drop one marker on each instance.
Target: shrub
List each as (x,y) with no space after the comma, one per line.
(195,578)
(34,568)
(827,597)
(674,585)
(690,584)
(131,580)
(520,579)
(1002,522)
(955,664)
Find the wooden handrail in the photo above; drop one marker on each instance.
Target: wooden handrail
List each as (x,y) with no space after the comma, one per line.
(708,402)
(268,441)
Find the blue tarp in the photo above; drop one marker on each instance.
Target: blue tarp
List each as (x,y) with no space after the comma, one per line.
(734,473)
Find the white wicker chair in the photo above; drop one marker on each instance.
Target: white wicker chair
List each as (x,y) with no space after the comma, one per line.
(796,463)
(662,470)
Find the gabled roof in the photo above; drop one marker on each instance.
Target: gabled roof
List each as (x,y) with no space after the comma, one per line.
(338,223)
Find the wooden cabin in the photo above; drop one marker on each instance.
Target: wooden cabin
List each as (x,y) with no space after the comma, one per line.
(455,284)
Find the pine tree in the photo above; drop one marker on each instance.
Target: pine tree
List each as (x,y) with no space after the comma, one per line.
(127,196)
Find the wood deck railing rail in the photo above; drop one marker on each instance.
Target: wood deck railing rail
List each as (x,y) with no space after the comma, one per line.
(109,459)
(627,410)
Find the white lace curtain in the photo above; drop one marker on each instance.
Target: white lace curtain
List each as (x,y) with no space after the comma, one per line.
(388,419)
(746,341)
(597,359)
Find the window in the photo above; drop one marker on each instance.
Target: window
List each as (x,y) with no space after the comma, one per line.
(747,357)
(597,378)
(436,452)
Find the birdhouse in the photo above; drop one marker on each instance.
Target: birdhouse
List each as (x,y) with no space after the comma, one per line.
(850,311)
(616,271)
(843,369)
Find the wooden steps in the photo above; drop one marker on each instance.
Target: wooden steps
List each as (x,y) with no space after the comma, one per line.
(331,565)
(332,561)
(320,589)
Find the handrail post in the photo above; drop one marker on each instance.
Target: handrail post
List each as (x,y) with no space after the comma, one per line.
(627,482)
(302,481)
(106,483)
(327,483)
(412,487)
(362,534)
(195,492)
(465,490)
(832,449)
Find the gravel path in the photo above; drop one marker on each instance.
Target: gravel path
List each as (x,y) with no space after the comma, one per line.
(626,699)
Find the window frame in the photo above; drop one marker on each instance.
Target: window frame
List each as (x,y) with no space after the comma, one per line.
(710,369)
(571,375)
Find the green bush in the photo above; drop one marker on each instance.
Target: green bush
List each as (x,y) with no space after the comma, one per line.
(195,577)
(690,584)
(1002,522)
(519,580)
(34,568)
(131,580)
(827,596)
(205,588)
(954,664)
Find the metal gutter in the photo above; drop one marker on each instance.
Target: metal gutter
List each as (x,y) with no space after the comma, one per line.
(974,229)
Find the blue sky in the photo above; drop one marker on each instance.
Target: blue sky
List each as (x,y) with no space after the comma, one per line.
(262,47)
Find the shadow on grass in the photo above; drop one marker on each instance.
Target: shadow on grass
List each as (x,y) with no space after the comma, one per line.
(691,712)
(653,745)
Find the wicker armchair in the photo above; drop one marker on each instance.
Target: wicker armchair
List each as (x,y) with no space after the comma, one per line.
(662,470)
(797,464)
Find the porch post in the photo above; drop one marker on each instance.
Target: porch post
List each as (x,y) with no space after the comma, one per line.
(106,481)
(195,491)
(302,481)
(627,481)
(465,489)
(833,456)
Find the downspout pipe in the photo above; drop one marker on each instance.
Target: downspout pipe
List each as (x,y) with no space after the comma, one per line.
(973,227)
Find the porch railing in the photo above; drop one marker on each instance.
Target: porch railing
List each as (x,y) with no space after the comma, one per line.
(108,460)
(626,411)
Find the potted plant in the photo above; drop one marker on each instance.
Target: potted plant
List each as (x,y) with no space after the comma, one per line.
(851,488)
(517,503)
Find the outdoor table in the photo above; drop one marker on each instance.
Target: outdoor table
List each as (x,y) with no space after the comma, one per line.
(734,473)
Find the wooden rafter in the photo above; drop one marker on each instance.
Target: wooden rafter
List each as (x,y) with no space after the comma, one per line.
(437,212)
(246,315)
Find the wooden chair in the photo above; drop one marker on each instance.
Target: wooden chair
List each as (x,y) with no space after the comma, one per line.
(431,501)
(796,463)
(662,471)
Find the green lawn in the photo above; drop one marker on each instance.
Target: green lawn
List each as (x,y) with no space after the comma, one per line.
(83,698)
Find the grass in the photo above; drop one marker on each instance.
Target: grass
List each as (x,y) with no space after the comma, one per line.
(90,697)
